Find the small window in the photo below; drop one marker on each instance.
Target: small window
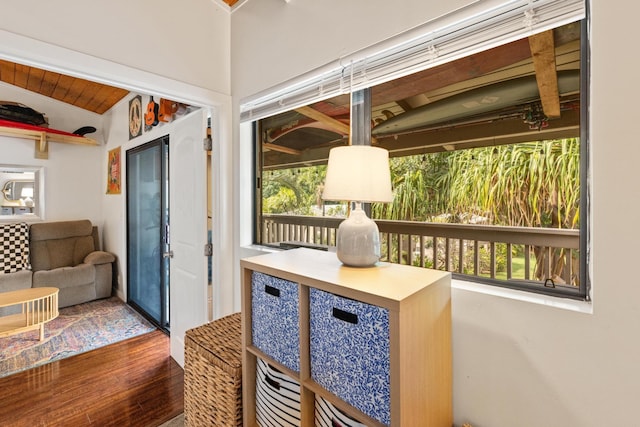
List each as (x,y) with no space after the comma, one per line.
(22,197)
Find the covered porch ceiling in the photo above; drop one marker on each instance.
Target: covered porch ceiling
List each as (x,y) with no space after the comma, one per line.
(523,91)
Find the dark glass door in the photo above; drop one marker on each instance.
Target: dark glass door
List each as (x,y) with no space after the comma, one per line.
(148,230)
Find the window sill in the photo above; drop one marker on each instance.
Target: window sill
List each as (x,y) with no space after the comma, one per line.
(253,250)
(549,301)
(530,297)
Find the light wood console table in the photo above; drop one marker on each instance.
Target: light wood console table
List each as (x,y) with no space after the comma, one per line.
(39,306)
(372,344)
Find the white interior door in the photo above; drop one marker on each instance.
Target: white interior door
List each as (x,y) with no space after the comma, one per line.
(188,229)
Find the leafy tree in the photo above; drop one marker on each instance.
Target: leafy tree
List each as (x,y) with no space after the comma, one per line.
(293,191)
(529,185)
(415,180)
(284,200)
(532,184)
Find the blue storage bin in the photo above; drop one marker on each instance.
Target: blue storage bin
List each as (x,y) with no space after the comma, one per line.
(350,352)
(275,320)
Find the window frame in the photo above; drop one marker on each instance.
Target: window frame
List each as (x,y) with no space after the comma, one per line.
(584,290)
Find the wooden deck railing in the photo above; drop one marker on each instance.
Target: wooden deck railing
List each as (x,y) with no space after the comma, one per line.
(545,255)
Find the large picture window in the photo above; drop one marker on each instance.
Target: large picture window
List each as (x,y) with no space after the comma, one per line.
(488,160)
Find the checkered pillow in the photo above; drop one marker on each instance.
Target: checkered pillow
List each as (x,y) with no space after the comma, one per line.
(14,247)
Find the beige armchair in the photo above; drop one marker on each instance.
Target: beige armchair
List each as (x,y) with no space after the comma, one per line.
(66,255)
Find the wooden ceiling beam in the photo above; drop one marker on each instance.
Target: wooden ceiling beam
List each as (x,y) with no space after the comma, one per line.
(281,149)
(476,135)
(21,76)
(544,62)
(34,79)
(314,114)
(337,125)
(49,82)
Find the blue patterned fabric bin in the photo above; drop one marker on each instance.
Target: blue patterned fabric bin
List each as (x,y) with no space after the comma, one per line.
(274,318)
(350,353)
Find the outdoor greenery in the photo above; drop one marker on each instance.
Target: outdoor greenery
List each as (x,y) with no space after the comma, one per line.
(293,191)
(532,184)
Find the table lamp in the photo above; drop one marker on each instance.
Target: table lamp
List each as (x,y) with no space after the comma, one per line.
(26,196)
(358,173)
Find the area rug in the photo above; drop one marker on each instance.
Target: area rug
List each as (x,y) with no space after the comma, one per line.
(178,421)
(77,329)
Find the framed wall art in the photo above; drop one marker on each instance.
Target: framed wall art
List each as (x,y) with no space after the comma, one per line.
(113,171)
(135,117)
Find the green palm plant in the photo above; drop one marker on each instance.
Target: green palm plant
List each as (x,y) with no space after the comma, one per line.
(533,184)
(417,196)
(530,185)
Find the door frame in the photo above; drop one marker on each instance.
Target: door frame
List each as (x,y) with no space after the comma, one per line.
(24,50)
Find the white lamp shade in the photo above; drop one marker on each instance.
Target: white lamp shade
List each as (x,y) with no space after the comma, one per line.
(26,192)
(358,173)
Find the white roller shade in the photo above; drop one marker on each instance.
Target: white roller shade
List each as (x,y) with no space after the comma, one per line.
(481,26)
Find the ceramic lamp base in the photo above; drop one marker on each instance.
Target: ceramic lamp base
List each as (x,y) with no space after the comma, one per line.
(358,240)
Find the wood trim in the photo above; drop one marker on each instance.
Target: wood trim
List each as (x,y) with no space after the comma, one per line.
(281,149)
(38,135)
(42,137)
(544,62)
(323,118)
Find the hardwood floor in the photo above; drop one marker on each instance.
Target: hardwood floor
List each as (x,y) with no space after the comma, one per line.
(131,383)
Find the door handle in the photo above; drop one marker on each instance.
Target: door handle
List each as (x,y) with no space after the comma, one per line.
(167,254)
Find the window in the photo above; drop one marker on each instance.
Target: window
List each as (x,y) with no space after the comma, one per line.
(489,165)
(22,193)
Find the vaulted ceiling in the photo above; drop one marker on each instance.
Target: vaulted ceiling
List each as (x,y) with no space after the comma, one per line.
(81,93)
(85,94)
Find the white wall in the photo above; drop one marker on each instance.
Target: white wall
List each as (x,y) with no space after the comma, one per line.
(113,205)
(177,50)
(273,41)
(183,40)
(60,115)
(114,208)
(515,363)
(73,188)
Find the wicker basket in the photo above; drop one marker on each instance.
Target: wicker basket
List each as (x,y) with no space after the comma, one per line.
(213,374)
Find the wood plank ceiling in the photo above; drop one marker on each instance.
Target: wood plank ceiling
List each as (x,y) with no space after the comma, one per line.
(81,93)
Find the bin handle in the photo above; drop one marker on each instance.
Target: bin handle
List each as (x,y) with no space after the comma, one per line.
(273,383)
(345,316)
(272,291)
